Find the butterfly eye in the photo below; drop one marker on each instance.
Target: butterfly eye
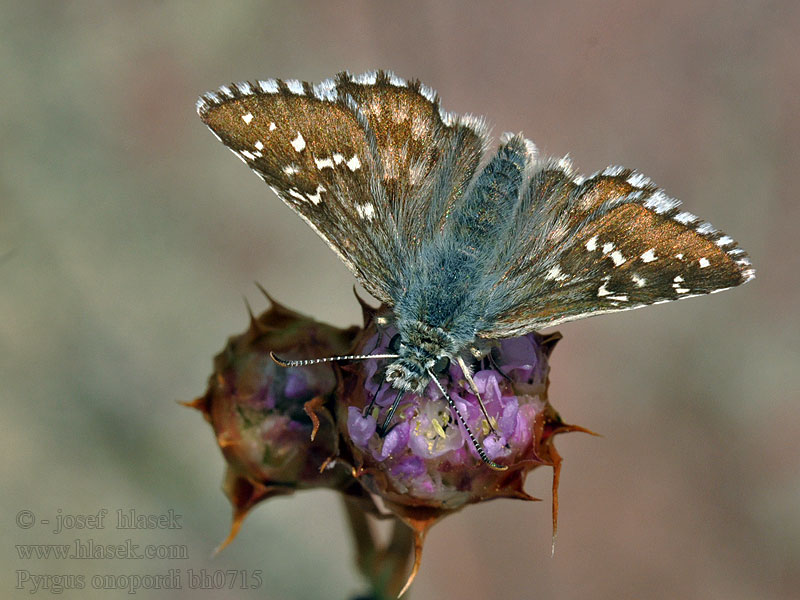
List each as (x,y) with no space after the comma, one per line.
(394,343)
(441,365)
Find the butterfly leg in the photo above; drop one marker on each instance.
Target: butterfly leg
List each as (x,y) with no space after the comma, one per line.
(495,366)
(379,338)
(468,376)
(375,396)
(384,428)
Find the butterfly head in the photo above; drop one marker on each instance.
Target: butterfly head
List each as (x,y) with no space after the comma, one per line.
(421,350)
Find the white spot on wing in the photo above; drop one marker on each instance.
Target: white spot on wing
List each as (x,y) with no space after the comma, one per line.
(591,245)
(272,126)
(704,262)
(247,118)
(295,194)
(295,86)
(724,241)
(247,154)
(555,273)
(291,169)
(705,228)
(299,143)
(608,247)
(354,164)
(617,257)
(316,197)
(326,90)
(338,158)
(449,118)
(678,280)
(621,298)
(259,145)
(649,256)
(613,171)
(685,217)
(639,180)
(638,280)
(368,78)
(323,163)
(679,256)
(366,211)
(603,290)
(396,81)
(270,86)
(429,93)
(660,202)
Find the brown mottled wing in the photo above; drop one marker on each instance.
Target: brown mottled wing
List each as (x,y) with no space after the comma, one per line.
(427,156)
(366,161)
(612,242)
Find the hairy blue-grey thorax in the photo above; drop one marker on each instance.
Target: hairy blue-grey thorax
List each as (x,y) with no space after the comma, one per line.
(421,346)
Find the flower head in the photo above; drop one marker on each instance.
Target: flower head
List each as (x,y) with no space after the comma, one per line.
(272,423)
(424,465)
(426,456)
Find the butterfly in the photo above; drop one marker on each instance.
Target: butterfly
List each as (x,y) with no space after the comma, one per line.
(462,252)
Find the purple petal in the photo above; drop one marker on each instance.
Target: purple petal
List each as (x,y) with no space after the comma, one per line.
(469,408)
(507,421)
(526,417)
(396,440)
(408,468)
(495,446)
(519,354)
(360,428)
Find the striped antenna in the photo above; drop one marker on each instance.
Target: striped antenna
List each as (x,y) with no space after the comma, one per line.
(316,361)
(478,446)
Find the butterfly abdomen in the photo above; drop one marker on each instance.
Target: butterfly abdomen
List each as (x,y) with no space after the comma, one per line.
(490,203)
(446,292)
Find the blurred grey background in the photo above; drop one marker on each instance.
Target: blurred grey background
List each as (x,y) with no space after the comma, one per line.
(128,236)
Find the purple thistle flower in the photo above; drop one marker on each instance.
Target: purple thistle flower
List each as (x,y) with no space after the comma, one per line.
(426,457)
